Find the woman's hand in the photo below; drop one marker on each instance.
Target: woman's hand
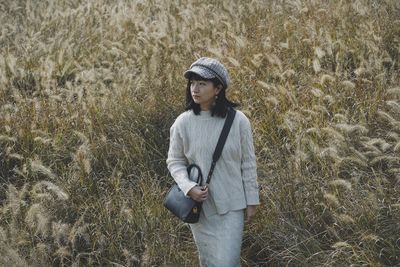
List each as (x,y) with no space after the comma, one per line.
(198,193)
(250,213)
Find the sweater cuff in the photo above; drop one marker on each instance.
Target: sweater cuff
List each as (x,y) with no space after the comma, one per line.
(252,198)
(182,180)
(187,186)
(251,193)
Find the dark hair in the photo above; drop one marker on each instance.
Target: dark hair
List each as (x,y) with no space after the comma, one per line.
(222,104)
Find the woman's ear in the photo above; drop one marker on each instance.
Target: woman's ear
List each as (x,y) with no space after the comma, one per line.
(219,88)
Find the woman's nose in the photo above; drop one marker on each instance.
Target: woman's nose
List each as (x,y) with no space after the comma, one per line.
(195,87)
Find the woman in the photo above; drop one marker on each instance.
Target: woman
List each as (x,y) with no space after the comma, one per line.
(233,191)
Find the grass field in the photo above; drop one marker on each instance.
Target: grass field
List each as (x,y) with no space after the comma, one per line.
(89,89)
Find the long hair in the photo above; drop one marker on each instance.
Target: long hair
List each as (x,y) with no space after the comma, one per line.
(222,104)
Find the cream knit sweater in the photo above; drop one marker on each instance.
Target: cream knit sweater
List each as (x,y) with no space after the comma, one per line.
(193,139)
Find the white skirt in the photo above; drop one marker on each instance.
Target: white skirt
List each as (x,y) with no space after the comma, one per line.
(219,239)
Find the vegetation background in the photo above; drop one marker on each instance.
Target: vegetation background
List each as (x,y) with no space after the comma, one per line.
(89,89)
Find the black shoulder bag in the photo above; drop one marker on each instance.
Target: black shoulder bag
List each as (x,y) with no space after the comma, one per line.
(183,206)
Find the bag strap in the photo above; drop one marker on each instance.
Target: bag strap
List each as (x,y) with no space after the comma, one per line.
(221,141)
(199,174)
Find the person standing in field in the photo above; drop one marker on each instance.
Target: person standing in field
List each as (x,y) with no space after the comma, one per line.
(232,195)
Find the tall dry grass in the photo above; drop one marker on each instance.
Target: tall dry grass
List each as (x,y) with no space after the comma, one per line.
(89,89)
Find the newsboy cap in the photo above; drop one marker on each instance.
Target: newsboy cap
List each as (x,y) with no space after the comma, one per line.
(209,68)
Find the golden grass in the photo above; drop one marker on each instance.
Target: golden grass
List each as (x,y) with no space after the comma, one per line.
(89,89)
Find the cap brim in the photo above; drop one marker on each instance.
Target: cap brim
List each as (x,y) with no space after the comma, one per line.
(202,72)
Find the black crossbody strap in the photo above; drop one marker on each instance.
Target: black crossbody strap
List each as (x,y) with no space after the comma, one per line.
(221,141)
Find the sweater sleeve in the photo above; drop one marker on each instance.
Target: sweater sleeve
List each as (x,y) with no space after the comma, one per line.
(177,162)
(248,164)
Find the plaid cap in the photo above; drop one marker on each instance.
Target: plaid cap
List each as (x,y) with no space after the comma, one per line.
(209,68)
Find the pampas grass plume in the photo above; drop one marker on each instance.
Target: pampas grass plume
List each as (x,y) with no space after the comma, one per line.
(341,245)
(15,156)
(37,218)
(391,160)
(234,62)
(370,237)
(316,65)
(329,99)
(340,118)
(42,140)
(272,100)
(317,92)
(60,232)
(81,157)
(396,148)
(63,252)
(331,200)
(394,105)
(333,133)
(13,200)
(326,78)
(393,136)
(340,183)
(38,167)
(7,139)
(319,52)
(394,92)
(380,143)
(386,116)
(360,71)
(329,152)
(348,85)
(345,219)
(352,129)
(354,161)
(56,190)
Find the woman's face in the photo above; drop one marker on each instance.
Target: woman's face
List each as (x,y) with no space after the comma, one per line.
(203,93)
